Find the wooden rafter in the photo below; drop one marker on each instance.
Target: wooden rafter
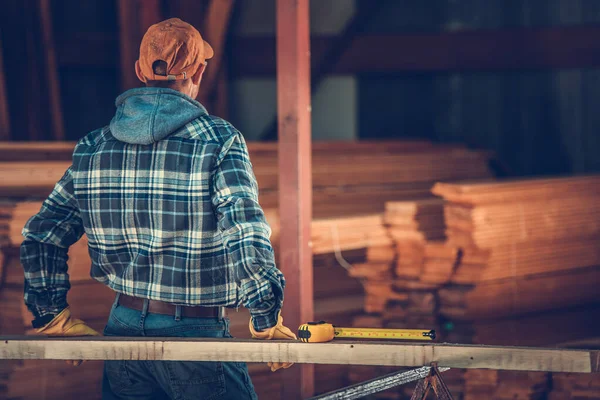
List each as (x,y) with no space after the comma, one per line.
(506,49)
(215,33)
(514,49)
(52,76)
(4,116)
(135,17)
(337,352)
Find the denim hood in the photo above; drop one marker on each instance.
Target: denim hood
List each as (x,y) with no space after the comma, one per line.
(147,115)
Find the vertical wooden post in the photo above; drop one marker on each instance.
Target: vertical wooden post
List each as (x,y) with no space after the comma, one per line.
(221,97)
(213,92)
(214,31)
(135,17)
(295,177)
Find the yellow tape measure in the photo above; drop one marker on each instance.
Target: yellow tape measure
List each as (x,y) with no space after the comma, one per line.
(320,332)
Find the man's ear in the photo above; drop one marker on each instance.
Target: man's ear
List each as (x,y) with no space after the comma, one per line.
(138,71)
(198,75)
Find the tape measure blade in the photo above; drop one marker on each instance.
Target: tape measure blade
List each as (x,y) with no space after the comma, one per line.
(379,333)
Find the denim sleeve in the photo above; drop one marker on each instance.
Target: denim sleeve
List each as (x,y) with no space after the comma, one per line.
(246,233)
(47,238)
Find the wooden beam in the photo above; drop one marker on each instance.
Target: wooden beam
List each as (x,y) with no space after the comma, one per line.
(512,49)
(295,175)
(507,49)
(27,165)
(215,33)
(336,353)
(56,113)
(36,149)
(135,17)
(4,115)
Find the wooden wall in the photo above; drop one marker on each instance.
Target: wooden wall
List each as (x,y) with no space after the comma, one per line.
(539,120)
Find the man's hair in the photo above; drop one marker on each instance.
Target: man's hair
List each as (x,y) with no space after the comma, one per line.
(159,67)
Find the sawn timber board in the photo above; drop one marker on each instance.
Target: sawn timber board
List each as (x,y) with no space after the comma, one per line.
(337,352)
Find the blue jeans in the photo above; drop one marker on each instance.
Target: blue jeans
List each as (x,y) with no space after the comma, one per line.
(177,380)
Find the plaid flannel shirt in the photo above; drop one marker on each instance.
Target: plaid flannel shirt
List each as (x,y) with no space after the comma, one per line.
(177,221)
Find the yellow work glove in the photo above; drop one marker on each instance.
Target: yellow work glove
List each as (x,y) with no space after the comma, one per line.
(276,332)
(64,325)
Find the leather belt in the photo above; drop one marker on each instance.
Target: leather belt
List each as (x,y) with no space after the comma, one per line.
(161,307)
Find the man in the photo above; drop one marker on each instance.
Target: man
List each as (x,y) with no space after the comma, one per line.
(169,203)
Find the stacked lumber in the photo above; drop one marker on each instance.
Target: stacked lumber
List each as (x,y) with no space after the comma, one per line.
(494,263)
(348,177)
(505,385)
(398,293)
(6,209)
(574,386)
(527,273)
(351,184)
(417,228)
(423,260)
(545,329)
(62,151)
(527,252)
(329,235)
(515,297)
(394,288)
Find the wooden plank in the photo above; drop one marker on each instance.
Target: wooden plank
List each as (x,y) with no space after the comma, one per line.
(4,116)
(493,192)
(543,329)
(551,219)
(36,151)
(341,168)
(337,352)
(519,260)
(51,71)
(27,179)
(514,297)
(475,50)
(295,177)
(55,151)
(135,17)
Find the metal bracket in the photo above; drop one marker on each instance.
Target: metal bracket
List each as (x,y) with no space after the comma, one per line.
(432,381)
(380,384)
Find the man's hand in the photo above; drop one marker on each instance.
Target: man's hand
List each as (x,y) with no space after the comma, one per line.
(64,325)
(279,331)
